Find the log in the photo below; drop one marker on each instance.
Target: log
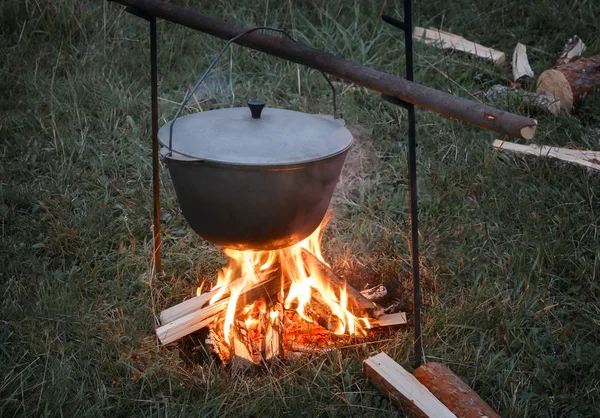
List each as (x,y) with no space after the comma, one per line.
(447,40)
(570,82)
(520,63)
(266,287)
(453,392)
(379,81)
(357,303)
(403,389)
(589,159)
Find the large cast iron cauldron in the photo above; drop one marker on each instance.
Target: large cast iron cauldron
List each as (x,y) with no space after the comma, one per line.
(254,182)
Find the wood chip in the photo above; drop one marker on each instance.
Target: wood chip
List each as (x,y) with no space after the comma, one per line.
(574,47)
(520,63)
(375,293)
(389,320)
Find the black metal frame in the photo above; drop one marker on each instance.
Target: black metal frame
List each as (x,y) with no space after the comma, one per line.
(406,26)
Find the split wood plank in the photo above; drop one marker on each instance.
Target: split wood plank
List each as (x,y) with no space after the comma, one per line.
(403,389)
(589,159)
(389,320)
(453,392)
(190,323)
(520,63)
(186,307)
(357,303)
(446,40)
(198,302)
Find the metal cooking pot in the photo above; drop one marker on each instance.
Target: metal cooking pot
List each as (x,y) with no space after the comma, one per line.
(254,182)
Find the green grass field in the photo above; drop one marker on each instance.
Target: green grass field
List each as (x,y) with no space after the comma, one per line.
(510,246)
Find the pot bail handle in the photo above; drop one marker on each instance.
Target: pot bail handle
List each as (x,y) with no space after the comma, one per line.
(189,95)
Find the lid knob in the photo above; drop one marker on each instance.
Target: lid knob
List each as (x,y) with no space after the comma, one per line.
(256,107)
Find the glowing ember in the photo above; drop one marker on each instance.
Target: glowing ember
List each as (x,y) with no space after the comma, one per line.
(308,292)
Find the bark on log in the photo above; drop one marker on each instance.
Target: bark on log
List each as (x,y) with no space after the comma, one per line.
(453,392)
(570,82)
(425,97)
(357,303)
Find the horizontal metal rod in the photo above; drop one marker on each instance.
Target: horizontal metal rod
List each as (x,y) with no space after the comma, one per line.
(435,100)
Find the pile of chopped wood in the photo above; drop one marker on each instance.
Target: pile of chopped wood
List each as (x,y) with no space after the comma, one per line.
(558,89)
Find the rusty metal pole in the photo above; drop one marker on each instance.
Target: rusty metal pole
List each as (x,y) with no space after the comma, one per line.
(156,241)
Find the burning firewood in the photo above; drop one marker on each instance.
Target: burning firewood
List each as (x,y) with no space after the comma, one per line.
(267,286)
(200,301)
(273,336)
(269,303)
(357,303)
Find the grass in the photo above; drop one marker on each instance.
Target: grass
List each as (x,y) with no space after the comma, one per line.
(510,246)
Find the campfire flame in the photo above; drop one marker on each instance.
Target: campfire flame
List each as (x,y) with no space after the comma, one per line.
(305,281)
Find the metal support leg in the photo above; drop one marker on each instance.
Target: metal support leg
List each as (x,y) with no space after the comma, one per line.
(156,242)
(155,148)
(406,26)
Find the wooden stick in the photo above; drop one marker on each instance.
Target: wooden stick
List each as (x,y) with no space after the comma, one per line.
(357,303)
(589,159)
(425,97)
(453,392)
(196,320)
(403,389)
(447,40)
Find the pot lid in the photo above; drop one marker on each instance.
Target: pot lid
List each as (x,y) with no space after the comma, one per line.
(236,136)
